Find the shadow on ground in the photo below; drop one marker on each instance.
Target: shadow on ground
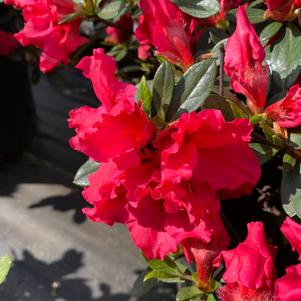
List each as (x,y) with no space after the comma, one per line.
(30,170)
(35,280)
(73,201)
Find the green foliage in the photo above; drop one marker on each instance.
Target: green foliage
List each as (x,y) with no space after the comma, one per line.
(263,152)
(142,287)
(188,293)
(5,266)
(291,186)
(145,95)
(111,9)
(269,31)
(193,88)
(255,15)
(199,8)
(167,270)
(284,59)
(163,86)
(82,176)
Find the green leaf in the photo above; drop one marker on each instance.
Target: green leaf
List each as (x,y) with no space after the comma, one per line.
(111,9)
(5,265)
(237,111)
(70,17)
(263,152)
(211,297)
(285,60)
(291,186)
(255,15)
(193,88)
(163,276)
(82,176)
(198,8)
(141,287)
(256,2)
(217,102)
(119,52)
(295,137)
(269,31)
(144,95)
(189,292)
(163,87)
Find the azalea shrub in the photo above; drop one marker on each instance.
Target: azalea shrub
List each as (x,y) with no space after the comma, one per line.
(196,145)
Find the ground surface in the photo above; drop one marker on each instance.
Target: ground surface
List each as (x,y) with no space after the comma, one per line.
(59,255)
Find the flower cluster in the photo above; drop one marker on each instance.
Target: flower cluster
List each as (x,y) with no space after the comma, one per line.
(249,76)
(43,30)
(250,274)
(163,184)
(172,150)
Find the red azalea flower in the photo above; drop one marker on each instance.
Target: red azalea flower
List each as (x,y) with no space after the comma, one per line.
(126,196)
(250,270)
(203,147)
(205,254)
(287,111)
(244,56)
(281,10)
(122,33)
(118,129)
(288,287)
(292,232)
(8,43)
(100,69)
(169,30)
(42,30)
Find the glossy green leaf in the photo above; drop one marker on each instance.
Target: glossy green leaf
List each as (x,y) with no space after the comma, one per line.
(111,9)
(70,17)
(291,186)
(269,31)
(255,15)
(163,87)
(193,88)
(189,292)
(144,95)
(285,59)
(238,111)
(198,8)
(141,287)
(5,265)
(163,276)
(263,152)
(256,2)
(82,176)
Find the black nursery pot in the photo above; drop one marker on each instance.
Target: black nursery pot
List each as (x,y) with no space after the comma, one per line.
(17,111)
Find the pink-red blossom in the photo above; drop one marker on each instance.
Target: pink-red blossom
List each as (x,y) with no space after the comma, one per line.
(203,147)
(122,32)
(8,43)
(119,128)
(288,287)
(287,111)
(244,56)
(43,30)
(172,32)
(250,272)
(292,232)
(163,185)
(282,10)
